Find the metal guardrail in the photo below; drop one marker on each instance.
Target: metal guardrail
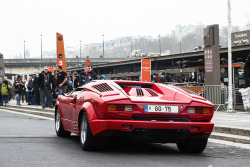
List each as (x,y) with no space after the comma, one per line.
(217,94)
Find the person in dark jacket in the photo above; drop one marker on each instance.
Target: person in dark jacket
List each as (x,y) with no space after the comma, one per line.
(45,81)
(154,80)
(29,90)
(61,79)
(91,73)
(247,71)
(76,80)
(19,85)
(36,90)
(82,78)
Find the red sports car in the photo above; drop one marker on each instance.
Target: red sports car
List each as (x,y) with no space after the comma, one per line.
(135,111)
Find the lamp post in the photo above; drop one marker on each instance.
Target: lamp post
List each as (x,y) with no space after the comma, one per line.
(80,49)
(230,91)
(24,49)
(41,46)
(131,47)
(160,44)
(103,46)
(180,46)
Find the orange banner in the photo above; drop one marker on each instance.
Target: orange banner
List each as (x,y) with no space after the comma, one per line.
(60,52)
(51,69)
(87,62)
(87,65)
(146,70)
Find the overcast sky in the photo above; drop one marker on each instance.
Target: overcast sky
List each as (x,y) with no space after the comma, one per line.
(87,20)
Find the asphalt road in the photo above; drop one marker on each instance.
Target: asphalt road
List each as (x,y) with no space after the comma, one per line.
(31,141)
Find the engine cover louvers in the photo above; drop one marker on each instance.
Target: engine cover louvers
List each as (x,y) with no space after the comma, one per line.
(151,92)
(104,87)
(139,92)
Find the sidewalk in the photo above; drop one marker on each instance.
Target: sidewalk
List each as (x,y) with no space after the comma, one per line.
(25,105)
(237,119)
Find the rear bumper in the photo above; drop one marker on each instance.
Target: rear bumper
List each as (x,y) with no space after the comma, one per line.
(116,127)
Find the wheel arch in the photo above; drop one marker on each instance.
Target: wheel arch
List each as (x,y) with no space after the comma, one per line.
(89,110)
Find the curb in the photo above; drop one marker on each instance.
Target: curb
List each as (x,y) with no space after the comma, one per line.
(45,113)
(30,108)
(232,130)
(229,137)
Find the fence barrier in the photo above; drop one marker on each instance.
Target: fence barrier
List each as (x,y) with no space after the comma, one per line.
(216,94)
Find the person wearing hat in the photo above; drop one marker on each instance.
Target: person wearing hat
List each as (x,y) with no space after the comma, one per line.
(19,85)
(103,77)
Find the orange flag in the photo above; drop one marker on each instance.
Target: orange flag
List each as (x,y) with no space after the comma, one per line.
(146,70)
(60,52)
(87,65)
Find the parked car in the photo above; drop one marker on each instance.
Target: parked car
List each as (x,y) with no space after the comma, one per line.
(134,111)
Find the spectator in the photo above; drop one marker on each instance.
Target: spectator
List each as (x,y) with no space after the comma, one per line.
(18,84)
(159,78)
(9,91)
(82,78)
(23,94)
(61,79)
(45,81)
(69,86)
(36,90)
(103,77)
(168,78)
(154,80)
(163,77)
(29,91)
(186,79)
(5,92)
(75,78)
(91,74)
(1,82)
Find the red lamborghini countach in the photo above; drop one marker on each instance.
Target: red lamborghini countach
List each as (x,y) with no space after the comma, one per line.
(134,111)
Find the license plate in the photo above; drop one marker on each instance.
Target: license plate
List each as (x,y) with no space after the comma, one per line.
(161,108)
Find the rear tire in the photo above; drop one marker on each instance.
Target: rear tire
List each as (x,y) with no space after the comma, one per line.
(59,126)
(87,140)
(192,145)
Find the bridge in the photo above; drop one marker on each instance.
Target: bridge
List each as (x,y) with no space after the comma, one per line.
(28,66)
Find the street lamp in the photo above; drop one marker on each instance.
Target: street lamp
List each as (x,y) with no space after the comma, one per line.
(103,46)
(80,49)
(23,49)
(41,46)
(160,44)
(180,46)
(131,47)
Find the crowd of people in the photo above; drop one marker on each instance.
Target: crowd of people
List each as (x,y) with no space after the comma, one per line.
(44,88)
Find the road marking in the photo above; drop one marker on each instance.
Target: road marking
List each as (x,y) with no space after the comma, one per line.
(36,116)
(229,143)
(26,136)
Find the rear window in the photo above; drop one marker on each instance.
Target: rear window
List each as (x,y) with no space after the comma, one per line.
(122,85)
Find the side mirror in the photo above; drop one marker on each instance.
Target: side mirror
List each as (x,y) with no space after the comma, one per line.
(74,99)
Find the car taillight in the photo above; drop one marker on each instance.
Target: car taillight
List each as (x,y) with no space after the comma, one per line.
(120,107)
(199,110)
(207,110)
